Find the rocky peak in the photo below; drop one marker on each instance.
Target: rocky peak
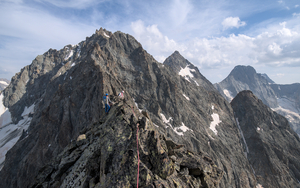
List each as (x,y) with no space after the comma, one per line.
(178,62)
(187,70)
(245,78)
(271,146)
(243,73)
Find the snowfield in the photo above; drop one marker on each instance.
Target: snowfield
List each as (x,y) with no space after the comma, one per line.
(9,132)
(287,108)
(214,123)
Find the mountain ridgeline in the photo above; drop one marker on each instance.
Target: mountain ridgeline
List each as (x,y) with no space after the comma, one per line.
(172,129)
(284,99)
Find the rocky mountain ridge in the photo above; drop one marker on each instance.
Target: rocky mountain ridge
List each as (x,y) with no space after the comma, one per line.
(284,99)
(245,78)
(185,124)
(269,134)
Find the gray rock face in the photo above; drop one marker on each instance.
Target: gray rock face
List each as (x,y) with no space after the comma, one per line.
(191,138)
(245,78)
(269,80)
(271,146)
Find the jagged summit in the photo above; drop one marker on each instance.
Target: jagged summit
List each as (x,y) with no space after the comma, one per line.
(177,61)
(245,78)
(243,73)
(187,70)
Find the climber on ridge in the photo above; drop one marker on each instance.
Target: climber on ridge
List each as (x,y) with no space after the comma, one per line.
(121,95)
(106,101)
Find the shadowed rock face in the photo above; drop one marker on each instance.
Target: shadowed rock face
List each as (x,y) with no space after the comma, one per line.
(273,147)
(192,129)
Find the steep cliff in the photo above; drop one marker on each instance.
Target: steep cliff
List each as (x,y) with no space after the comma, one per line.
(272,147)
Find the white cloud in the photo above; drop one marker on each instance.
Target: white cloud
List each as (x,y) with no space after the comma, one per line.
(153,40)
(278,46)
(296,6)
(179,11)
(231,22)
(274,48)
(30,32)
(296,14)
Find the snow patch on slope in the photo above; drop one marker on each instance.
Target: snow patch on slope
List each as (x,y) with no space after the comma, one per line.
(166,121)
(178,130)
(228,94)
(259,186)
(187,98)
(105,34)
(287,104)
(136,104)
(9,132)
(215,122)
(69,55)
(182,129)
(186,73)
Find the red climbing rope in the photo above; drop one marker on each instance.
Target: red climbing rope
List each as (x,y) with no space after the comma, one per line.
(138,154)
(137,148)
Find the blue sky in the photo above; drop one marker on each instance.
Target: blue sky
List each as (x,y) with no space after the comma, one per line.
(214,35)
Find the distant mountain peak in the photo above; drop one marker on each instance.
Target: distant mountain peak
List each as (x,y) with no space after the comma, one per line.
(245,78)
(176,60)
(242,70)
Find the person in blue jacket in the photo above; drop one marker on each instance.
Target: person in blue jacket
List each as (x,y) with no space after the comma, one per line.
(106,101)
